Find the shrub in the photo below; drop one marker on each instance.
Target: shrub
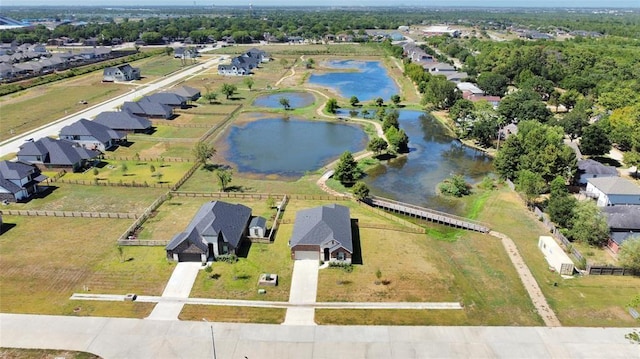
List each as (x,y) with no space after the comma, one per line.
(228,258)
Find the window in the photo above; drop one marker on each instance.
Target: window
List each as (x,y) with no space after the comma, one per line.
(341,256)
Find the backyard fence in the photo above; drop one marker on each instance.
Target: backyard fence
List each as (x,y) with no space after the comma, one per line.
(178,125)
(163,139)
(141,159)
(404,222)
(186,176)
(113,184)
(130,233)
(142,242)
(405,229)
(608,270)
(258,196)
(213,129)
(34,213)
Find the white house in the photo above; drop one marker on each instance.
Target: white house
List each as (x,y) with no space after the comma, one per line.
(611,191)
(555,256)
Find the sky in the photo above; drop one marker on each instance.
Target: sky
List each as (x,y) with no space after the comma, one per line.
(257,3)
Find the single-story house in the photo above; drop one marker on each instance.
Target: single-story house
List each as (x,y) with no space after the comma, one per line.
(593,169)
(190,93)
(257,227)
(18,180)
(555,255)
(167,98)
(124,121)
(613,191)
(121,73)
(324,233)
(148,109)
(51,153)
(218,228)
(624,223)
(91,135)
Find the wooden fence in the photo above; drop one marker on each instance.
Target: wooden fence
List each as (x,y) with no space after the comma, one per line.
(404,222)
(142,242)
(113,184)
(135,226)
(258,196)
(558,235)
(213,129)
(34,213)
(145,159)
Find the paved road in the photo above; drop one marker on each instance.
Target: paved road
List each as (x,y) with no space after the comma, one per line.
(136,338)
(304,288)
(13,144)
(178,287)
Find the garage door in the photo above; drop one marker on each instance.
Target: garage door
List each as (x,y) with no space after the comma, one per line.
(307,255)
(189,257)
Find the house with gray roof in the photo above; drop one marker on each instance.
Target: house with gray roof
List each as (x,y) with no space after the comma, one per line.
(51,153)
(593,169)
(124,72)
(18,180)
(624,223)
(124,121)
(218,228)
(190,93)
(92,135)
(322,233)
(167,98)
(613,191)
(148,109)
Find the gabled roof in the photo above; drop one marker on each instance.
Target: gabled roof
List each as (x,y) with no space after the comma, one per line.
(84,127)
(258,222)
(590,166)
(148,108)
(319,224)
(165,98)
(214,219)
(615,185)
(122,120)
(15,170)
(185,91)
(57,152)
(622,217)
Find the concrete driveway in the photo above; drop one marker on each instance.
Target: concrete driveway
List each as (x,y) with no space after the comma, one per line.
(178,286)
(304,287)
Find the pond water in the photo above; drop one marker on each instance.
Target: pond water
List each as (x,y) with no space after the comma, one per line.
(290,147)
(296,99)
(369,82)
(434,156)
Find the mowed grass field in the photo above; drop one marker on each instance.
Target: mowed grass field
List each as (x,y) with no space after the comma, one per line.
(233,314)
(46,259)
(581,301)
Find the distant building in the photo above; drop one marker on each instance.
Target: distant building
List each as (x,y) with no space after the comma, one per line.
(593,169)
(437,30)
(613,191)
(624,223)
(121,73)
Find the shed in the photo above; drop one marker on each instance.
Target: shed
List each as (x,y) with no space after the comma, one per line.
(555,256)
(257,227)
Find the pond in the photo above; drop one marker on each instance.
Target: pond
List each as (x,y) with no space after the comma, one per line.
(296,99)
(290,147)
(368,82)
(434,156)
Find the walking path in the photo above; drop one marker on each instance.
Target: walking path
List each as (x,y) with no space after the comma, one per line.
(136,338)
(178,287)
(530,284)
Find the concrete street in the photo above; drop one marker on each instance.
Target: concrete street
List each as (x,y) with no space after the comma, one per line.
(13,144)
(137,338)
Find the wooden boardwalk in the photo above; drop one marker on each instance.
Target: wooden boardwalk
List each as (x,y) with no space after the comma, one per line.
(427,214)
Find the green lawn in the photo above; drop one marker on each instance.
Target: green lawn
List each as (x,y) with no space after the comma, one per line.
(581,301)
(233,314)
(15,353)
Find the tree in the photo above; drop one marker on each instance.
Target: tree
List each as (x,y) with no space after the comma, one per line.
(121,253)
(531,184)
(632,158)
(347,171)
(353,113)
(569,98)
(561,203)
(224,177)
(629,255)
(508,157)
(202,151)
(377,145)
(124,168)
(284,62)
(360,191)
(594,141)
(211,97)
(398,139)
(493,84)
(228,90)
(573,123)
(365,113)
(285,103)
(379,102)
(331,106)
(524,105)
(354,101)
(391,119)
(152,169)
(589,225)
(461,109)
(440,93)
(455,186)
(396,99)
(248,81)
(96,172)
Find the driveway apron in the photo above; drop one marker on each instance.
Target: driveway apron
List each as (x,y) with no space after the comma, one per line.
(304,287)
(178,286)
